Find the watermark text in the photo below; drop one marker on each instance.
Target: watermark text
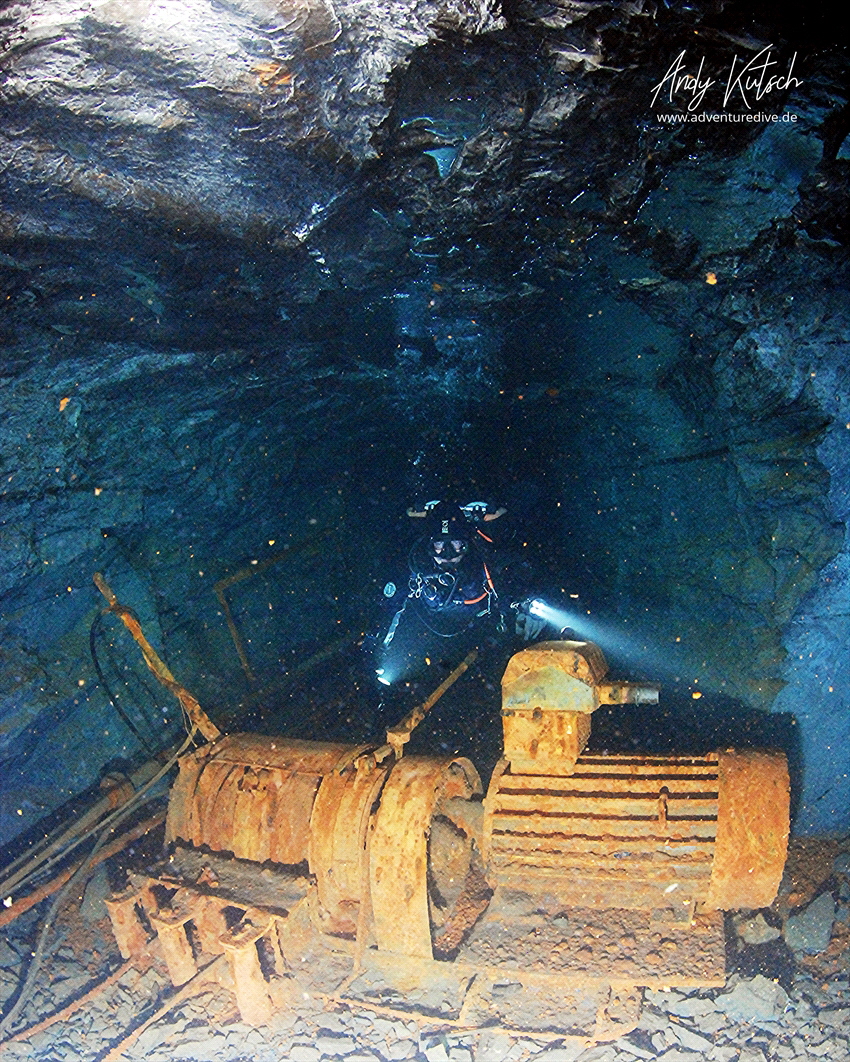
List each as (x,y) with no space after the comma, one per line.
(746,82)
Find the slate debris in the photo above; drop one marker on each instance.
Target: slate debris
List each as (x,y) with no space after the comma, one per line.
(809,931)
(749,1020)
(752,1018)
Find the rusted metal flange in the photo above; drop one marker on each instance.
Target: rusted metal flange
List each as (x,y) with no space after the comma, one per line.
(752,830)
(339,828)
(398,857)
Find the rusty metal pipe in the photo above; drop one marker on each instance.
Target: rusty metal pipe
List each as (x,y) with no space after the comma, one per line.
(399,735)
(627,693)
(195,712)
(19,907)
(109,824)
(235,635)
(64,838)
(248,572)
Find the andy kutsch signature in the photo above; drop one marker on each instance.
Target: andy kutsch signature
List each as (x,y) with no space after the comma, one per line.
(751,81)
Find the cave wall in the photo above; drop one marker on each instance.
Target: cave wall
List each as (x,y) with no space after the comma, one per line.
(271,273)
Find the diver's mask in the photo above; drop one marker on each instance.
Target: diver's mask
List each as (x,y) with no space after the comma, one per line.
(448,552)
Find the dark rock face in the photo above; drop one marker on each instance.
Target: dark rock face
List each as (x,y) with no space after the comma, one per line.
(271,271)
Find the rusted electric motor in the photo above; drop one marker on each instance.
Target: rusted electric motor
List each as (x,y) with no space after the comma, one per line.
(576,881)
(624,831)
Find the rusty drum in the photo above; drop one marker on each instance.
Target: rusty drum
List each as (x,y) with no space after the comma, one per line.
(251,796)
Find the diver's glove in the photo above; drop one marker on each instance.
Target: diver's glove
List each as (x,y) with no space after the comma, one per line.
(528,627)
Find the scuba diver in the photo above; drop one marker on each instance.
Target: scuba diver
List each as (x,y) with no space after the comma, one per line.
(451,602)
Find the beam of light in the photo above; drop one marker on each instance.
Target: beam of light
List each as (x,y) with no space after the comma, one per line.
(607,637)
(637,650)
(558,617)
(392,665)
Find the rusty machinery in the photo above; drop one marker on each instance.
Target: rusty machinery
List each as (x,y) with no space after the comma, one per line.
(390,881)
